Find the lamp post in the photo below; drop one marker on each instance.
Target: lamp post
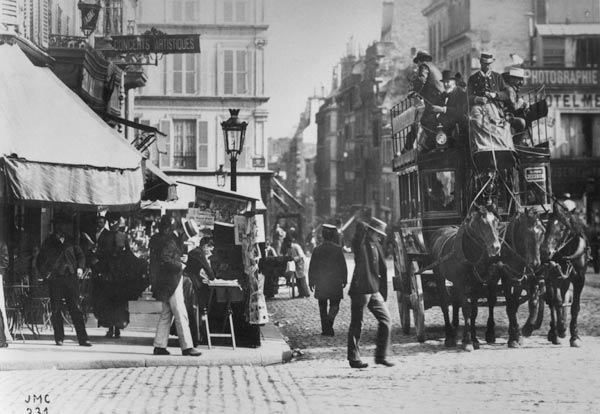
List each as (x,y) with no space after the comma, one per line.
(234,132)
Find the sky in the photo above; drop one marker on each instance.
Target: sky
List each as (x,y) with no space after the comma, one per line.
(306,39)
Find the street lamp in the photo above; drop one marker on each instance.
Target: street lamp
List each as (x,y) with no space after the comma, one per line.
(221,177)
(234,132)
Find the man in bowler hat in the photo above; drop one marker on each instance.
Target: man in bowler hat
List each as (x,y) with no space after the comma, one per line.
(368,289)
(452,108)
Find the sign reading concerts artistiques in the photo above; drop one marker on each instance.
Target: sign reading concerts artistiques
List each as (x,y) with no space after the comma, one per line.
(155,41)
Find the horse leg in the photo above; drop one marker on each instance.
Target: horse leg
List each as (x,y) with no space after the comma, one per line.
(512,307)
(561,314)
(490,332)
(552,292)
(450,331)
(473,330)
(467,345)
(533,304)
(578,283)
(455,313)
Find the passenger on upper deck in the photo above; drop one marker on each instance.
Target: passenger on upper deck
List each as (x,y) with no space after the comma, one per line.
(428,84)
(515,107)
(452,110)
(486,85)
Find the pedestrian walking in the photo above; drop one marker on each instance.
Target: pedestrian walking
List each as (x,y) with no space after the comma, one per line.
(62,263)
(368,289)
(110,306)
(292,249)
(166,270)
(327,277)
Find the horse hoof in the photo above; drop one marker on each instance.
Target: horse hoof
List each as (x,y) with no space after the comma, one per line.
(562,334)
(520,341)
(450,343)
(490,338)
(575,342)
(475,345)
(527,330)
(468,347)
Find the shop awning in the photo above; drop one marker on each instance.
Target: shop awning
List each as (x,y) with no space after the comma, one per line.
(287,193)
(158,185)
(54,148)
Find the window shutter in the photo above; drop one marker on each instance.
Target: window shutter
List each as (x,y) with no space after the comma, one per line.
(9,12)
(165,144)
(202,144)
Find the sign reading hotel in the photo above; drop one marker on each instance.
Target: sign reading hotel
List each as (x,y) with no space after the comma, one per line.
(562,77)
(573,100)
(157,42)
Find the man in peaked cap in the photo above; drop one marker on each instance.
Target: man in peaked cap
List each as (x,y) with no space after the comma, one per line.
(485,84)
(368,289)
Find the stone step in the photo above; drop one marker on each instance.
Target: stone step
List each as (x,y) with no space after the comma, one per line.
(144,306)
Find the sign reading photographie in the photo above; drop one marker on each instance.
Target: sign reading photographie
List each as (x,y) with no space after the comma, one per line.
(562,77)
(157,42)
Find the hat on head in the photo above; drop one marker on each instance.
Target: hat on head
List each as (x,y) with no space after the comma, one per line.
(377,226)
(329,226)
(206,240)
(422,56)
(112,216)
(517,73)
(486,58)
(190,227)
(569,205)
(447,75)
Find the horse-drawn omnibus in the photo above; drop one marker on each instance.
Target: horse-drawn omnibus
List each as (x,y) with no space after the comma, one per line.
(453,184)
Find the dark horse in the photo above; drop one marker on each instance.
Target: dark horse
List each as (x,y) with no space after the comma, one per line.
(518,269)
(462,254)
(565,253)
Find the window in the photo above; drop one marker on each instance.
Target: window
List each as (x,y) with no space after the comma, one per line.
(235,72)
(235,11)
(587,53)
(113,17)
(439,190)
(184,74)
(202,144)
(183,10)
(184,144)
(554,51)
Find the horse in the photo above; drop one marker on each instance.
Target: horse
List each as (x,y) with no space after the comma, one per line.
(518,269)
(460,254)
(565,253)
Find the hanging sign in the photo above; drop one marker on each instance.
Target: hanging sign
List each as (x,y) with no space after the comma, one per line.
(89,16)
(155,41)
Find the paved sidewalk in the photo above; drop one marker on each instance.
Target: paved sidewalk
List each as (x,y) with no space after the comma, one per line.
(134,349)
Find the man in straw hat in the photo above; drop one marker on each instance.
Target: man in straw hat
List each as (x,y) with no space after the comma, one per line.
(486,85)
(368,289)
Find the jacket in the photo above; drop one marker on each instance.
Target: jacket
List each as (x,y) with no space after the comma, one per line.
(195,263)
(327,272)
(479,83)
(370,270)
(165,265)
(59,259)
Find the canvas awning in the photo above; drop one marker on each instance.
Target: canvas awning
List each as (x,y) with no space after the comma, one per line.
(158,185)
(54,148)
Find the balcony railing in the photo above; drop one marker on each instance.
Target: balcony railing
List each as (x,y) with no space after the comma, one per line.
(69,42)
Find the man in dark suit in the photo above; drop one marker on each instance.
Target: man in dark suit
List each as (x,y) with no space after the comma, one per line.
(63,262)
(428,84)
(485,84)
(452,109)
(368,289)
(327,277)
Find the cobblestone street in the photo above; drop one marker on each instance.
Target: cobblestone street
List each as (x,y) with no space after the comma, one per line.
(427,378)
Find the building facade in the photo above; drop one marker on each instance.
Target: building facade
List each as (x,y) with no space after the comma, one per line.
(188,96)
(559,43)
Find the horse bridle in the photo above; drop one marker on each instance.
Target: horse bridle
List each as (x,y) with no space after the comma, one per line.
(527,270)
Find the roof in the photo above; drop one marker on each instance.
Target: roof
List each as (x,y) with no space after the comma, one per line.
(578,29)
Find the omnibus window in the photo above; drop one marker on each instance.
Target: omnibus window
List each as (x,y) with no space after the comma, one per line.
(439,189)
